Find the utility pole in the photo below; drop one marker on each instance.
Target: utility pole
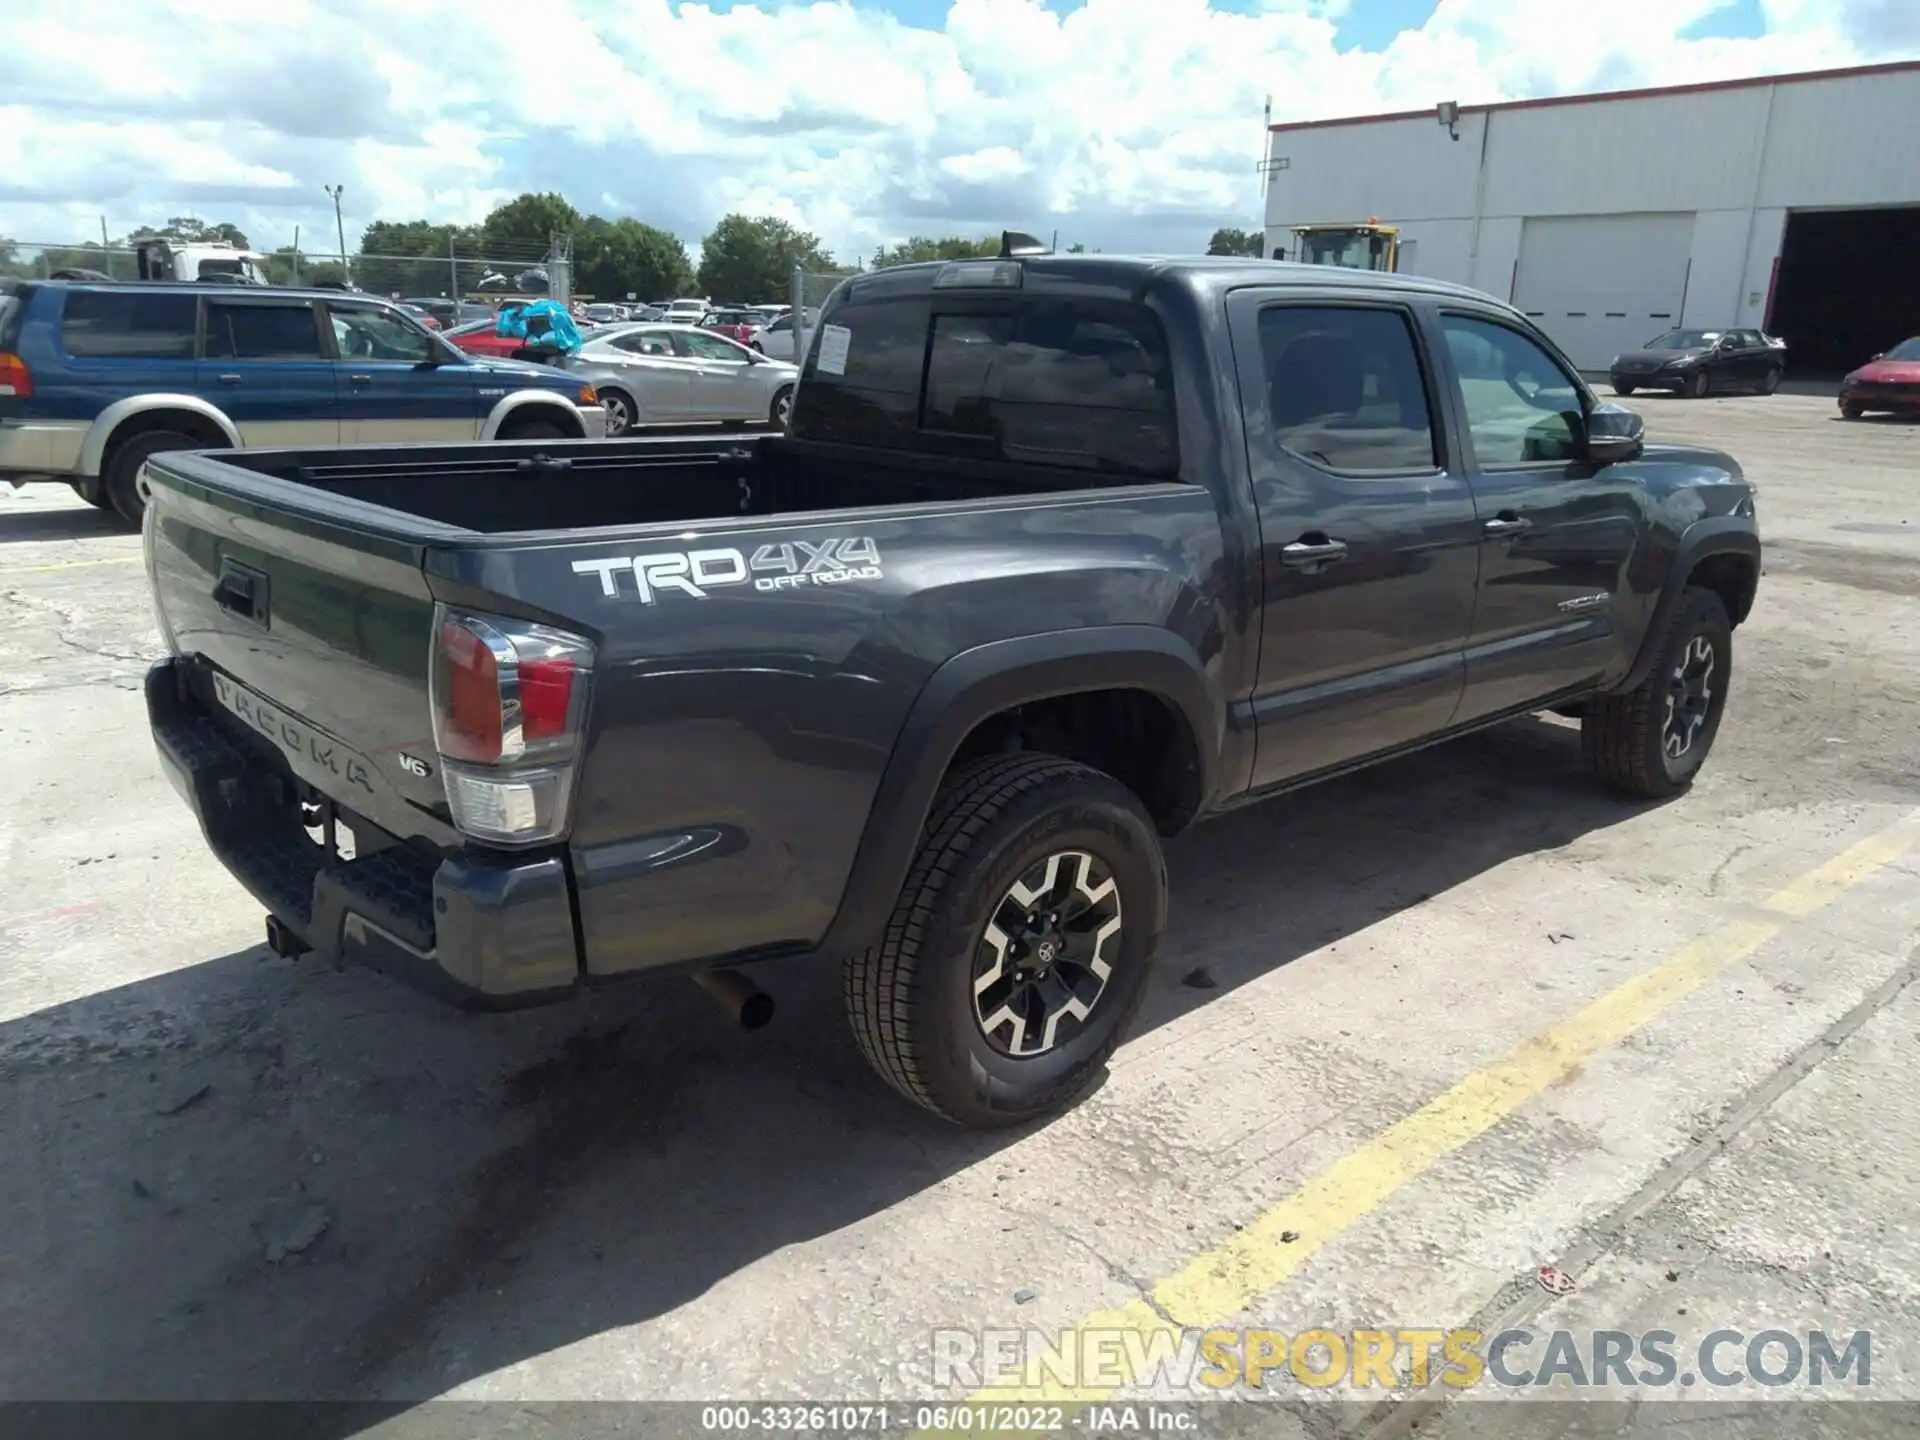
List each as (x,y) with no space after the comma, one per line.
(334,192)
(296,254)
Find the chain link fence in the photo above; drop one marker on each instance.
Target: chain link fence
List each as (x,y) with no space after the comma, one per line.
(491,276)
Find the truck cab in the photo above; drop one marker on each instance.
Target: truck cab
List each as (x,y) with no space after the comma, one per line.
(1368,246)
(218,263)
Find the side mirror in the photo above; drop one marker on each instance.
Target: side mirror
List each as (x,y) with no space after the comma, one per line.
(1614,434)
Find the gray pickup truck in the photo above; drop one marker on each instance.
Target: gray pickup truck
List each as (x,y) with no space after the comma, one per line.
(1060,555)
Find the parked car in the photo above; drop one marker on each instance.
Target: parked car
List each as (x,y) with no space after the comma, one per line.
(804,696)
(420,313)
(601,314)
(666,374)
(739,326)
(775,340)
(1889,382)
(686,312)
(1696,363)
(97,379)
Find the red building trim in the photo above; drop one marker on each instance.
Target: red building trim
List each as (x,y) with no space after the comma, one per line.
(1892,67)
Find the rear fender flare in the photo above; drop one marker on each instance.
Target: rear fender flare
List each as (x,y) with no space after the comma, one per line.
(93,449)
(982,682)
(1722,535)
(519,400)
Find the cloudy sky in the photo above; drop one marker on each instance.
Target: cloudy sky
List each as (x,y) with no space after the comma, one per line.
(1123,123)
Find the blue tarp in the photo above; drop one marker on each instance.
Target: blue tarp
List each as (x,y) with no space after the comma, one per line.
(543,324)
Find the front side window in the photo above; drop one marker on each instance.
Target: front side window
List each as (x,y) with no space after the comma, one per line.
(378,335)
(1521,406)
(1345,390)
(261,332)
(122,324)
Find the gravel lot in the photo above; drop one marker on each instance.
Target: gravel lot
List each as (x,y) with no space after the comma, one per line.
(230,1176)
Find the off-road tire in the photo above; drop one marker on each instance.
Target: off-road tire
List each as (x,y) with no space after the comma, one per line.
(120,478)
(1623,736)
(910,998)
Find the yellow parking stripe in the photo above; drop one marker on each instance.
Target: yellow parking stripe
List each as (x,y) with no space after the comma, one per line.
(1220,1283)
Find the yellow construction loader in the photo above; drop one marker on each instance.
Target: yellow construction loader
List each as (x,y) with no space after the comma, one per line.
(1366,246)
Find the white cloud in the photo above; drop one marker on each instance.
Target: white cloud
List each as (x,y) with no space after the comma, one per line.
(1120,123)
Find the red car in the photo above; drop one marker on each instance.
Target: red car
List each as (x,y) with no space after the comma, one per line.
(477,337)
(1889,382)
(737,325)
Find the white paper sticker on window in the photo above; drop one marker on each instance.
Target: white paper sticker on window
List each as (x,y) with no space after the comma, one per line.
(834,340)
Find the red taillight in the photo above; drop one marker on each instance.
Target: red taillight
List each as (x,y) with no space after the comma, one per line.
(15,379)
(508,700)
(471,725)
(546,695)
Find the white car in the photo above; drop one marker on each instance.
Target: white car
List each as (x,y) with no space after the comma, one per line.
(687,312)
(669,374)
(776,340)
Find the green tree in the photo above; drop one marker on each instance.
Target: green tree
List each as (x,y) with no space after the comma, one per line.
(614,257)
(920,247)
(520,231)
(189,231)
(1229,241)
(412,257)
(750,259)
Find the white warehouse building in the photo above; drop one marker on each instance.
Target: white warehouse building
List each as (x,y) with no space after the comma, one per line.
(1786,203)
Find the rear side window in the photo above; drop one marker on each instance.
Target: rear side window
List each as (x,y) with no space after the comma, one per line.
(127,324)
(1345,390)
(1070,383)
(261,332)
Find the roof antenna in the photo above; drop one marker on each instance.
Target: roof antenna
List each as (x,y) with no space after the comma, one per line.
(1017,244)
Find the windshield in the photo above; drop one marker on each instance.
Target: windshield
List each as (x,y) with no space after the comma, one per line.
(1905,350)
(1353,249)
(1683,340)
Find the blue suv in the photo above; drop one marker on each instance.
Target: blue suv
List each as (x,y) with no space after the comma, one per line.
(94,378)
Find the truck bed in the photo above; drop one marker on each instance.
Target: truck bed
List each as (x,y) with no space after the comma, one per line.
(592,484)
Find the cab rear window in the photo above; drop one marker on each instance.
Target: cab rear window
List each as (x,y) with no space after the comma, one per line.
(127,324)
(1038,380)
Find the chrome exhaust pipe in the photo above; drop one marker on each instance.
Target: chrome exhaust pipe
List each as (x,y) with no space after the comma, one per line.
(745,1001)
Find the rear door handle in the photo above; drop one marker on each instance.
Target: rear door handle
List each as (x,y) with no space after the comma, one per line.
(229,379)
(1506,524)
(1312,554)
(359,379)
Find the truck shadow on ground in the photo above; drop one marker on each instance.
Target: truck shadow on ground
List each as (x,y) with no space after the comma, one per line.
(63,524)
(252,1180)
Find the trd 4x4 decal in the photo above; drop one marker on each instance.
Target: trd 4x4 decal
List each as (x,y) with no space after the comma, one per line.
(787,565)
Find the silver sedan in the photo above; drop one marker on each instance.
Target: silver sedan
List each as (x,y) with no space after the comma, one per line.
(673,374)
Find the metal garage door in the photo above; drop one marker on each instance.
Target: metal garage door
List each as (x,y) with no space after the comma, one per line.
(1600,284)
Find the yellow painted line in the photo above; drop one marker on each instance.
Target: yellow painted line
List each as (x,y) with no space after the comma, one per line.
(69,565)
(1217,1285)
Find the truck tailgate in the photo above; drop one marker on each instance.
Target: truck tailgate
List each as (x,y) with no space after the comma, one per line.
(309,632)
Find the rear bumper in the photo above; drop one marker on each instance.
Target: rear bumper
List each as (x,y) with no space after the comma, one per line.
(41,449)
(479,930)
